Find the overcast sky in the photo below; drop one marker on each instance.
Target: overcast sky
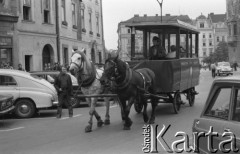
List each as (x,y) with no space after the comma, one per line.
(115,11)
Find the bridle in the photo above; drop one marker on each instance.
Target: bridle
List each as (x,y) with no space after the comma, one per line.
(112,73)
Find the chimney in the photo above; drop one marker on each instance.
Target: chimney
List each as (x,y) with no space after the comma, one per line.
(145,15)
(156,15)
(136,15)
(168,15)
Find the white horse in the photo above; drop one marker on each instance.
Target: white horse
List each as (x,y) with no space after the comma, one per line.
(88,78)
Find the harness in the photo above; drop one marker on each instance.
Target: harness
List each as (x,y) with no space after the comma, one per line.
(144,80)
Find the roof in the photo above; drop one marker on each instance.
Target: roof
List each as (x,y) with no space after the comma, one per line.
(14,72)
(235,78)
(217,17)
(153,22)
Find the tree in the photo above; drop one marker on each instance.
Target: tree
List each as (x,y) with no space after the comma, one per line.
(220,54)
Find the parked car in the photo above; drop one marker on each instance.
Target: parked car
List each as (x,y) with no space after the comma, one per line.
(30,93)
(50,77)
(221,112)
(224,68)
(6,104)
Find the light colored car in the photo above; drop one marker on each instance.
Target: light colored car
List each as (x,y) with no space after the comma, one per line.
(30,93)
(221,112)
(224,68)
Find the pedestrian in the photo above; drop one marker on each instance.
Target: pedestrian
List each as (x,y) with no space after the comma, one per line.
(63,85)
(213,68)
(20,67)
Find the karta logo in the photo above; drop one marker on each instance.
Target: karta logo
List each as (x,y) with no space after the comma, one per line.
(154,138)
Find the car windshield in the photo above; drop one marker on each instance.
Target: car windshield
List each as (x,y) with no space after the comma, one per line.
(35,76)
(223,64)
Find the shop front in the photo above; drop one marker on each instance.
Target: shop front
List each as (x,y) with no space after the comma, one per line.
(6,50)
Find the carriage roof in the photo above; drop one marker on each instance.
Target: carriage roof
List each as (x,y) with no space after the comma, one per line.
(153,24)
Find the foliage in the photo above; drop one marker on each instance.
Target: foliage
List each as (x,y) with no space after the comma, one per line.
(220,54)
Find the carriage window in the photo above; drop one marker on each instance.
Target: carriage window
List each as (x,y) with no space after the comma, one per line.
(7,81)
(219,105)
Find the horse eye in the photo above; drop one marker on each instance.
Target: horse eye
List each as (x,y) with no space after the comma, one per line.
(79,58)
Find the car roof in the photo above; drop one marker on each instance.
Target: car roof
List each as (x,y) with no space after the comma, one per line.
(44,72)
(14,72)
(230,79)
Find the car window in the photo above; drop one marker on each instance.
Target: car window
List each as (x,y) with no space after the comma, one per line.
(219,105)
(7,81)
(236,106)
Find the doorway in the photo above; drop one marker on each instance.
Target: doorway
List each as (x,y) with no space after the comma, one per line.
(28,61)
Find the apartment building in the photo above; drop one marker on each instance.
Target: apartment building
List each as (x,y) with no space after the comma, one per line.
(48,30)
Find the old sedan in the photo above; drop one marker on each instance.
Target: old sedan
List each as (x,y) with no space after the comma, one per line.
(6,104)
(224,68)
(221,116)
(30,93)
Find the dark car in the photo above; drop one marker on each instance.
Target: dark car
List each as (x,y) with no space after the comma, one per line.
(50,77)
(221,114)
(6,104)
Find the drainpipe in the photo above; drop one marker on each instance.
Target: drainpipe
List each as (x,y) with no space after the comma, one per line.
(103,41)
(57,30)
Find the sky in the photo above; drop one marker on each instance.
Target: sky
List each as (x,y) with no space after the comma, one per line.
(115,11)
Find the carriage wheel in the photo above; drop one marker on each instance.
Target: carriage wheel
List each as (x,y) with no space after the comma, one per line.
(177,102)
(138,105)
(191,96)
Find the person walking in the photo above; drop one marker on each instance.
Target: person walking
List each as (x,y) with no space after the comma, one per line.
(63,85)
(213,68)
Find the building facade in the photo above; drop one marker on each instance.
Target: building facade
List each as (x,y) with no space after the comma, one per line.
(213,29)
(233,23)
(8,20)
(48,30)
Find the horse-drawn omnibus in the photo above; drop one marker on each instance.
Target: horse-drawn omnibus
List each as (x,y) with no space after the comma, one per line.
(175,75)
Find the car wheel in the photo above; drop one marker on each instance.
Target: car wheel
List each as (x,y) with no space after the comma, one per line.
(25,108)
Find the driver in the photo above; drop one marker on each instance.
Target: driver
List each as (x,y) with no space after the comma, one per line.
(156,51)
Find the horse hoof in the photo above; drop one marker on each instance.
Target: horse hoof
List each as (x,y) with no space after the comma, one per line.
(100,123)
(145,118)
(88,129)
(107,122)
(126,128)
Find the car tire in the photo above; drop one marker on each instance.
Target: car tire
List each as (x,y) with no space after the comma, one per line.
(25,108)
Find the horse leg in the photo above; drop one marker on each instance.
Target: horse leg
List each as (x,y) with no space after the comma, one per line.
(121,106)
(128,121)
(97,116)
(154,104)
(88,128)
(145,116)
(107,116)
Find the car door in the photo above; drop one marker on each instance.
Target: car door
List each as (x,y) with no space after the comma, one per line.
(9,86)
(233,125)
(214,116)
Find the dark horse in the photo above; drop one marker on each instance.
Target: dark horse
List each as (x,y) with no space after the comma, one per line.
(130,85)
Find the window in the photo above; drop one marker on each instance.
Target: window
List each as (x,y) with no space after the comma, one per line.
(63,11)
(210,35)
(210,51)
(223,38)
(219,106)
(65,56)
(27,10)
(82,18)
(90,21)
(210,43)
(236,108)
(100,57)
(201,25)
(74,14)
(46,11)
(203,36)
(235,29)
(7,81)
(204,44)
(129,31)
(96,1)
(218,39)
(97,24)
(204,53)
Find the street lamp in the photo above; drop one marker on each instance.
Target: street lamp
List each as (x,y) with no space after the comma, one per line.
(160,3)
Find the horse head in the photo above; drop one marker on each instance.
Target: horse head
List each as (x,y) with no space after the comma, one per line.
(77,61)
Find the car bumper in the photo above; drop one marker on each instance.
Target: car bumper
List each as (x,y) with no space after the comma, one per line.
(7,110)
